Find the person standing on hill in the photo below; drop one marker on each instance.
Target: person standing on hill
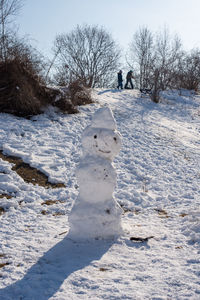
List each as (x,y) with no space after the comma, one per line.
(129,77)
(120,80)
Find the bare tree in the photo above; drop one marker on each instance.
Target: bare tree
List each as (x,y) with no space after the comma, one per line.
(87,53)
(167,54)
(188,73)
(8,9)
(161,63)
(168,51)
(141,55)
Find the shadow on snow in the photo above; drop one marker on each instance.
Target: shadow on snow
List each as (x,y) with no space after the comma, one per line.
(46,276)
(109,91)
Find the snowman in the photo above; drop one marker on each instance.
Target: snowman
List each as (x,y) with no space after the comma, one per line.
(95,213)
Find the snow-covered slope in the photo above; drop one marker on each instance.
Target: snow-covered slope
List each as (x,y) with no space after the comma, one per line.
(158,180)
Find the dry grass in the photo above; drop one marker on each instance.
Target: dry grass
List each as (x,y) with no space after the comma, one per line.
(162,213)
(103,269)
(56,214)
(183,215)
(51,202)
(6,196)
(44,212)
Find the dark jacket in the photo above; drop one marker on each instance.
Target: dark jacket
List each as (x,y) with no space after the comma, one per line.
(129,75)
(119,77)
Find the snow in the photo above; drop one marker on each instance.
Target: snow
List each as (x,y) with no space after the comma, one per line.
(158,187)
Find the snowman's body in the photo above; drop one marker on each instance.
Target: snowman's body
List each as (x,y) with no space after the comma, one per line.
(96,213)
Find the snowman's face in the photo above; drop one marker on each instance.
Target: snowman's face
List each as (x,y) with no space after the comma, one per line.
(101,142)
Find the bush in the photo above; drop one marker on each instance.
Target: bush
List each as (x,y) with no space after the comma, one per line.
(20,90)
(58,98)
(79,94)
(23,93)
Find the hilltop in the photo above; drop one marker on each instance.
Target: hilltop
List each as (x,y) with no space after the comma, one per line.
(158,187)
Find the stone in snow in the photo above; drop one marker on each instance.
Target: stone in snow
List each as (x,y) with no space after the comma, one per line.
(95,213)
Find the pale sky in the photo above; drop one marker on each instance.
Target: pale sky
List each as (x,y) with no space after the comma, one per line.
(42,20)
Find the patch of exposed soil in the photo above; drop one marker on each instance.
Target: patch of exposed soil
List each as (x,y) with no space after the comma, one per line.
(51,202)
(2,255)
(4,264)
(28,173)
(6,196)
(162,213)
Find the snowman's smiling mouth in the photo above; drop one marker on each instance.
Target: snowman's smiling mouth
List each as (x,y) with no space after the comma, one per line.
(104,151)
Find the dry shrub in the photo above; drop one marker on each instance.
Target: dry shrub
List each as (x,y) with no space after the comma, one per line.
(20,91)
(58,98)
(23,93)
(79,93)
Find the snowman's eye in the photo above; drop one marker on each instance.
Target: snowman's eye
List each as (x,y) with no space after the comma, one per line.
(115,139)
(95,136)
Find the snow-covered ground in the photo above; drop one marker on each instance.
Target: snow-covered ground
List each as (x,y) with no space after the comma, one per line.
(158,181)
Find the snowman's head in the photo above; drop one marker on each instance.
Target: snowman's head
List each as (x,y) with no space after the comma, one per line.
(101,137)
(101,142)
